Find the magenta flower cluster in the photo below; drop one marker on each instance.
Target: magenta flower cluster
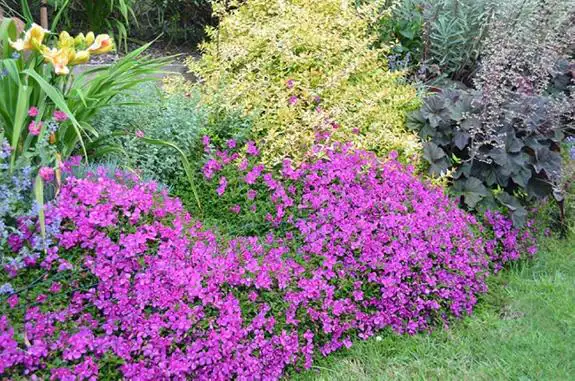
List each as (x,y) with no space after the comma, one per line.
(137,284)
(505,243)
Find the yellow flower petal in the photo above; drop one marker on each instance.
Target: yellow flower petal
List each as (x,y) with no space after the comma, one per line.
(90,38)
(65,40)
(60,59)
(80,40)
(80,57)
(102,44)
(34,37)
(18,44)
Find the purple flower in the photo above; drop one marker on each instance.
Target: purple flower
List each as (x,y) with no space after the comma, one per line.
(140,134)
(33,112)
(206,140)
(252,194)
(222,186)
(34,128)
(12,301)
(293,100)
(47,174)
(251,149)
(290,83)
(353,245)
(60,116)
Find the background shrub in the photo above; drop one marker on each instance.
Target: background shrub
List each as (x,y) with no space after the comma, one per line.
(179,119)
(502,139)
(440,40)
(181,21)
(304,68)
(519,162)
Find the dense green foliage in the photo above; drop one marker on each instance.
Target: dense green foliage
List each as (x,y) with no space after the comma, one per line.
(502,138)
(181,21)
(311,224)
(37,86)
(178,119)
(440,39)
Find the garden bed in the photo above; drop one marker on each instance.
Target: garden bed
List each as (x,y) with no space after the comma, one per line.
(343,177)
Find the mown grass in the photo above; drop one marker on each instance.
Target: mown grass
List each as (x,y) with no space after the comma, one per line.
(523,329)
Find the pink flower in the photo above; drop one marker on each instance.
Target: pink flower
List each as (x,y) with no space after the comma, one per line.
(35,128)
(232,143)
(140,134)
(236,209)
(13,301)
(33,112)
(243,165)
(222,187)
(55,288)
(290,83)
(293,100)
(46,173)
(251,149)
(206,140)
(252,194)
(60,116)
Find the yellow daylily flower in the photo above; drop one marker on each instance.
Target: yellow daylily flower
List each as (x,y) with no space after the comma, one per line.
(32,39)
(65,40)
(90,38)
(60,59)
(81,57)
(80,40)
(102,44)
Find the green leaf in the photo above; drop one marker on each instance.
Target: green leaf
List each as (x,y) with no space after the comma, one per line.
(39,196)
(19,121)
(56,96)
(548,161)
(185,163)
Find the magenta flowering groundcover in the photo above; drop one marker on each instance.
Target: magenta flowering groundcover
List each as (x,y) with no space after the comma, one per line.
(136,288)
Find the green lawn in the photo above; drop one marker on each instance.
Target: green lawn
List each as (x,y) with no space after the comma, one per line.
(524,329)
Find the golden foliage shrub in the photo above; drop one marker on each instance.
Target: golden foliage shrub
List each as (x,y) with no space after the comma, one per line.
(307,70)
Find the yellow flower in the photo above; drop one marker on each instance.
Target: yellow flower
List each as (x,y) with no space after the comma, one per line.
(65,40)
(90,38)
(81,57)
(60,59)
(80,40)
(102,44)
(32,39)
